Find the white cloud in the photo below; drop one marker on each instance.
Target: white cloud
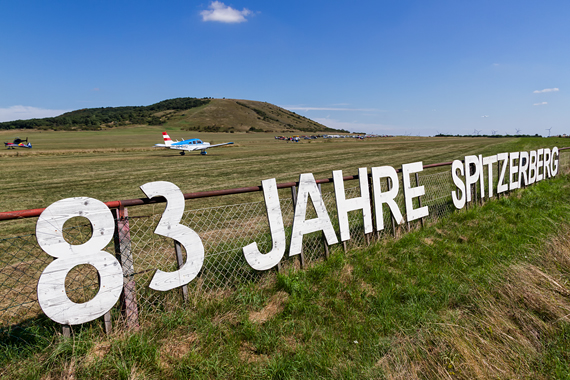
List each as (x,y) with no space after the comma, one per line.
(25,112)
(540,104)
(546,90)
(221,12)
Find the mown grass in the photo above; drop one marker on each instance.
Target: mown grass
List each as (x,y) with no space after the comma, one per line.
(111,165)
(482,293)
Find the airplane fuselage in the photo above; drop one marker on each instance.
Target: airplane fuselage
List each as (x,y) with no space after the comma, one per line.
(187,145)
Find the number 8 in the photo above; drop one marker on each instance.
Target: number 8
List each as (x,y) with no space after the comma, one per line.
(51,286)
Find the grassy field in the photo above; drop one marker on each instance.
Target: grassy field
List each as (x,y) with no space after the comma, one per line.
(480,294)
(111,165)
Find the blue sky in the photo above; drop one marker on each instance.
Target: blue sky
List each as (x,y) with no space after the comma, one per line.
(396,67)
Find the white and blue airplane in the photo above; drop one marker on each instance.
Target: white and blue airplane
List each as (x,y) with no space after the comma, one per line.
(187,145)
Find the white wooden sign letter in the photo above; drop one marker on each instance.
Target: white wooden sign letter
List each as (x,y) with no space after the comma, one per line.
(413,192)
(459,202)
(308,187)
(343,205)
(388,197)
(471,178)
(52,296)
(253,256)
(169,226)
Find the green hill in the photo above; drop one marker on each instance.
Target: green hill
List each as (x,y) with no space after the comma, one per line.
(223,115)
(193,114)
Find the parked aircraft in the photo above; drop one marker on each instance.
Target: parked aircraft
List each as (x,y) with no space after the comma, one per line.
(187,145)
(18,143)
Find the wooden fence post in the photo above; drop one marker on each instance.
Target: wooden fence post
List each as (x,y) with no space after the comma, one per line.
(66,330)
(129,306)
(180,262)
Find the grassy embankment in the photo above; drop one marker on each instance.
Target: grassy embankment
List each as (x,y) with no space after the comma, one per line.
(482,293)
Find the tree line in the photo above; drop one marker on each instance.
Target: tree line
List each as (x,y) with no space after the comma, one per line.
(94,118)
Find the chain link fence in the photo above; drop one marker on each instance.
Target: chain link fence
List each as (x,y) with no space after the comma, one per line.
(224,231)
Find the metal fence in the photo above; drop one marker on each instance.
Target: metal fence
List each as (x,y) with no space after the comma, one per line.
(224,231)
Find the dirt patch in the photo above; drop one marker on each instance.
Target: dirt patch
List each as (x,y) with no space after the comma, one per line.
(441,232)
(98,352)
(247,353)
(175,348)
(369,289)
(230,318)
(346,273)
(274,307)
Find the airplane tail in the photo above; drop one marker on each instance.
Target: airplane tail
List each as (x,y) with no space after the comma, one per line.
(167,139)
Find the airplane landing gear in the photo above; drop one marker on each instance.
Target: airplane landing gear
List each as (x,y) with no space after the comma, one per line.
(182,153)
(203,153)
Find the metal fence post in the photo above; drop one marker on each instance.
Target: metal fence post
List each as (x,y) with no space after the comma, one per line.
(129,306)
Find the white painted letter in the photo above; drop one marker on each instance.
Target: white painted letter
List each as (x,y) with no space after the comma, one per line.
(539,165)
(413,192)
(52,296)
(502,187)
(481,176)
(170,227)
(489,161)
(343,205)
(458,202)
(532,167)
(388,197)
(547,157)
(253,256)
(554,161)
(523,169)
(513,169)
(308,187)
(471,179)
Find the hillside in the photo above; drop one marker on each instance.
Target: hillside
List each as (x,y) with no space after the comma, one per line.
(207,115)
(226,115)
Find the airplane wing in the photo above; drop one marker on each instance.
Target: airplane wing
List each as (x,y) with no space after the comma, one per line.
(211,146)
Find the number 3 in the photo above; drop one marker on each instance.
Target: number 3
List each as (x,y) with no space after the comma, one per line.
(169,226)
(51,286)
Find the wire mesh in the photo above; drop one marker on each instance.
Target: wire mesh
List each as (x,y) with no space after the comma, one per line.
(224,231)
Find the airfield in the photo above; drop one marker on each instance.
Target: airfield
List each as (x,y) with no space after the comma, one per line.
(409,299)
(111,164)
